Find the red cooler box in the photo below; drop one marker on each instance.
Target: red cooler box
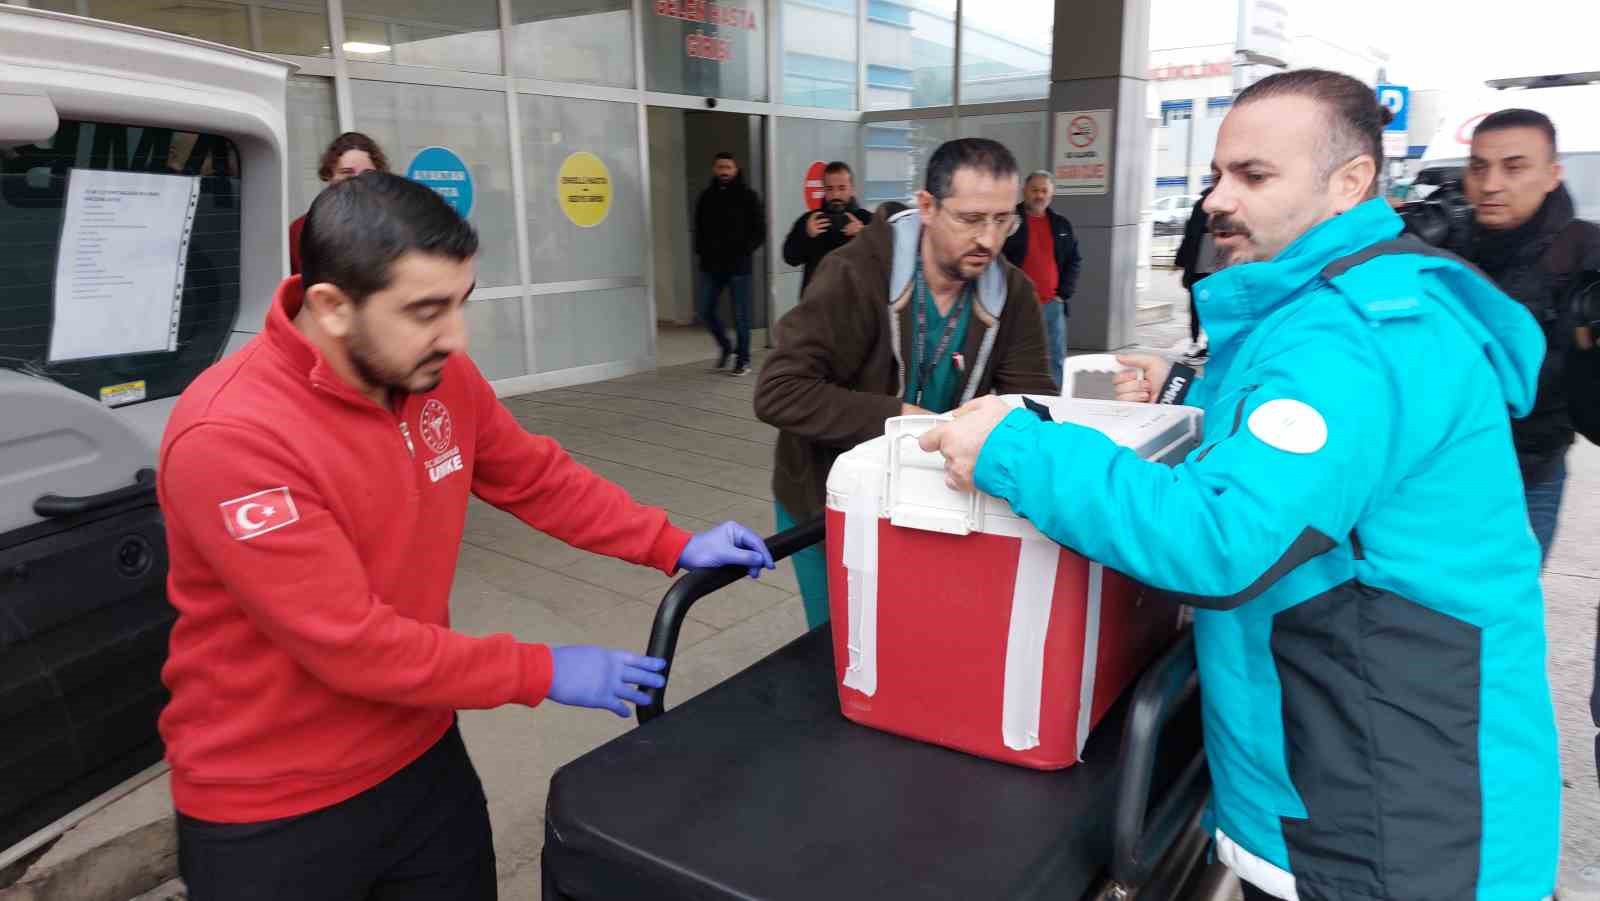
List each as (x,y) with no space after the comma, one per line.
(956,622)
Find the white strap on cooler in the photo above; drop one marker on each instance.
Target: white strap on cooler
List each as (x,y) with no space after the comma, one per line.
(1091,653)
(861,580)
(1031,600)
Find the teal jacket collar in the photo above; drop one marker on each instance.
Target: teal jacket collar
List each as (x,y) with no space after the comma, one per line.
(1232,301)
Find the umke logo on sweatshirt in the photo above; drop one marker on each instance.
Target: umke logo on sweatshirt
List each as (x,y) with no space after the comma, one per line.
(257,514)
(438,433)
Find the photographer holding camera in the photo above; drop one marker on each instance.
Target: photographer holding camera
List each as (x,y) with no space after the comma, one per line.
(1527,238)
(820,232)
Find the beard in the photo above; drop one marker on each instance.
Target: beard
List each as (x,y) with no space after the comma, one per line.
(375,371)
(838,206)
(953,268)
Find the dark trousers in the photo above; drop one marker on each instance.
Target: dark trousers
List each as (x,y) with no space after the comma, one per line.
(420,835)
(1251,893)
(711,287)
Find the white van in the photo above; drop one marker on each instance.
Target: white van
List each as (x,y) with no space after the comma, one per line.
(142,210)
(1572,103)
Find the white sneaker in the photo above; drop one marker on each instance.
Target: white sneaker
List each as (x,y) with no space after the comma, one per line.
(1584,887)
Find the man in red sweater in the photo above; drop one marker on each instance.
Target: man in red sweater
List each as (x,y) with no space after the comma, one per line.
(1046,249)
(315,489)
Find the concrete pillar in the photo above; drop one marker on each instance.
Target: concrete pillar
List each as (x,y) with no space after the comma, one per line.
(1100,61)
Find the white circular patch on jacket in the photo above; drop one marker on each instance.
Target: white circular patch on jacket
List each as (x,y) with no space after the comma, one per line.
(1290,425)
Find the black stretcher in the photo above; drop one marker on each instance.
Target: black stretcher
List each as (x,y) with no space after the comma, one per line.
(760,789)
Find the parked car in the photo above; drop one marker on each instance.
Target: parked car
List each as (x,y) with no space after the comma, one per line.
(1172,213)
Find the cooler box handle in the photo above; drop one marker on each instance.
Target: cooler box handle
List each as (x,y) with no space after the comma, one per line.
(1089,363)
(916,496)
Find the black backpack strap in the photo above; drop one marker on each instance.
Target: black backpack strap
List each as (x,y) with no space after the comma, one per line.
(1406,243)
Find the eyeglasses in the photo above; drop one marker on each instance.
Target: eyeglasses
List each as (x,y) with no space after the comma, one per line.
(976,223)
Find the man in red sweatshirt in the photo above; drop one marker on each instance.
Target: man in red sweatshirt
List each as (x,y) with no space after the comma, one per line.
(315,489)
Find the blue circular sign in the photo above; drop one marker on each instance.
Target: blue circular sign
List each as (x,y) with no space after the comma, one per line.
(440,169)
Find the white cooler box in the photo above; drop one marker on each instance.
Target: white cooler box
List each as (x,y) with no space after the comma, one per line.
(958,623)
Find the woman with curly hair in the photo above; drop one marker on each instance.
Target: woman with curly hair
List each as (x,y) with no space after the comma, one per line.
(350,154)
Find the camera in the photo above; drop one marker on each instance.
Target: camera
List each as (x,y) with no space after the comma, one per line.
(1443,218)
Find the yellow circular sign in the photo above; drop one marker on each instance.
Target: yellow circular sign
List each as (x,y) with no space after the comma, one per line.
(584,188)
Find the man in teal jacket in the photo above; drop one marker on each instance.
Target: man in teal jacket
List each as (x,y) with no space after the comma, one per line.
(1351,531)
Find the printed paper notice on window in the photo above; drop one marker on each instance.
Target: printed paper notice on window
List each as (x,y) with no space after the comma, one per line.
(120,270)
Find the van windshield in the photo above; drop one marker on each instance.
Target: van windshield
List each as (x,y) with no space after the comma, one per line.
(76,305)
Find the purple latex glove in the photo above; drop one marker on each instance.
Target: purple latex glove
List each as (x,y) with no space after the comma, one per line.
(602,678)
(729,544)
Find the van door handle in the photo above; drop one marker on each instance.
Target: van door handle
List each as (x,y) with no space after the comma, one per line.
(53,506)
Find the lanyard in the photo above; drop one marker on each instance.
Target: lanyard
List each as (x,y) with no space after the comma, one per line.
(925,362)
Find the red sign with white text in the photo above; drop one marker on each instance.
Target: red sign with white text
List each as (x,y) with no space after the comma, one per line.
(813,186)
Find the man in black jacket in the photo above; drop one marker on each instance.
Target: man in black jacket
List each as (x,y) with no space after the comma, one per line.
(729,225)
(1044,247)
(818,233)
(1527,238)
(1197,257)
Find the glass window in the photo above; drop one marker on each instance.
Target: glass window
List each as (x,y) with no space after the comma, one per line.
(313,124)
(590,327)
(707,49)
(910,53)
(1025,134)
(292,30)
(495,337)
(819,53)
(406,119)
(588,41)
(802,143)
(1005,50)
(55,6)
(585,199)
(33,197)
(296,28)
(895,155)
(441,34)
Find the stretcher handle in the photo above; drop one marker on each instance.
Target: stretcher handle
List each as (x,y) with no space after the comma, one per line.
(54,506)
(1141,838)
(692,587)
(1089,363)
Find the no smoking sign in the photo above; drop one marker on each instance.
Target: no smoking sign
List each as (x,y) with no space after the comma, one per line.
(1082,161)
(1082,132)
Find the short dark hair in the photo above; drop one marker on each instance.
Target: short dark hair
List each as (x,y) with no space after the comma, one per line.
(725,155)
(343,144)
(1355,117)
(837,166)
(1519,118)
(357,228)
(987,157)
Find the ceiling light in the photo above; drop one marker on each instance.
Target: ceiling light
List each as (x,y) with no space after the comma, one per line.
(364,47)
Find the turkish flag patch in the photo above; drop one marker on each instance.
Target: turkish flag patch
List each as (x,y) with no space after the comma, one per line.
(259,513)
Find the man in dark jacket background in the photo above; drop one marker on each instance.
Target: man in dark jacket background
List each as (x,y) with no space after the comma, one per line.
(1045,248)
(729,226)
(1528,239)
(1197,257)
(918,314)
(820,232)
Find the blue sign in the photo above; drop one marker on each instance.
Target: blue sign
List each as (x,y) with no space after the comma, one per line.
(440,169)
(1397,97)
